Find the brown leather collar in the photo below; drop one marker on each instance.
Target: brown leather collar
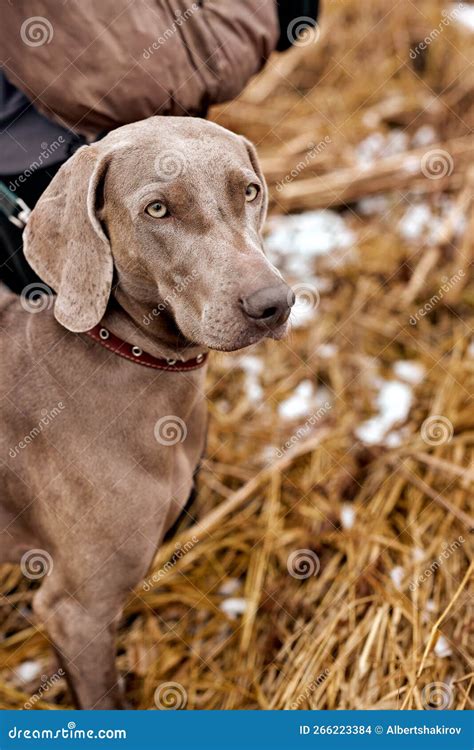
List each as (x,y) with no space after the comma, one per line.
(107,339)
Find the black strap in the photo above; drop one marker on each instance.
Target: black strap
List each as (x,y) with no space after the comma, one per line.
(13,207)
(290,12)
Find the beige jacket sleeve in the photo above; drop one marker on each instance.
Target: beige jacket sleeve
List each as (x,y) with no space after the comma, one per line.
(96,65)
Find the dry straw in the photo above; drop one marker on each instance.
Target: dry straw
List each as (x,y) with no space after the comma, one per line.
(376,613)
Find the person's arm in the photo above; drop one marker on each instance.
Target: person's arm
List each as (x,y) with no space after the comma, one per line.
(94,66)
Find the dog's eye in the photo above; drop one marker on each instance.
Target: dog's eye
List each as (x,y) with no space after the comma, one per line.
(157,210)
(251,192)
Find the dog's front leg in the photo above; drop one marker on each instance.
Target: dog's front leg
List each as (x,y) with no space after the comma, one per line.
(83,635)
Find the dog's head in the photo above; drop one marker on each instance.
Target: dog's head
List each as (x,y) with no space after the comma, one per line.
(167,213)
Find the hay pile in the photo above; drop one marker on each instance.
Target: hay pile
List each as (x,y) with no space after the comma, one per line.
(328,566)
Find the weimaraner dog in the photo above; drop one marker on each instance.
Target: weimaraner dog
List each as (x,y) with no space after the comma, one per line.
(151,240)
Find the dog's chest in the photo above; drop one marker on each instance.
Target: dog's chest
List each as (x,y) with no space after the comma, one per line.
(106,437)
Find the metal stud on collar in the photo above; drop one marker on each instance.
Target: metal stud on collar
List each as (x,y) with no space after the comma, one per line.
(124,349)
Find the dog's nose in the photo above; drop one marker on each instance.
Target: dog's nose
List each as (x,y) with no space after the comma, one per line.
(269,306)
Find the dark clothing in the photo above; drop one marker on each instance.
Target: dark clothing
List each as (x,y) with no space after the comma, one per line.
(292,12)
(93,66)
(15,271)
(28,139)
(85,67)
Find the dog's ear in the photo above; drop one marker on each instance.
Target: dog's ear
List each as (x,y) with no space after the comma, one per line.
(65,244)
(252,152)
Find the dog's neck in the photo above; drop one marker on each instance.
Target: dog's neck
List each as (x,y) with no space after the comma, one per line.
(153,331)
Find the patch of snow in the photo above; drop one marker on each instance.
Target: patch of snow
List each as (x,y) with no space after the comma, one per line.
(303,401)
(421,223)
(252,367)
(411,163)
(393,401)
(430,608)
(223,405)
(229,587)
(373,204)
(443,647)
(397,574)
(294,241)
(28,671)
(409,370)
(377,145)
(424,136)
(234,607)
(268,453)
(418,222)
(299,403)
(251,364)
(254,390)
(327,350)
(394,439)
(302,312)
(417,554)
(464,15)
(348,516)
(370,148)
